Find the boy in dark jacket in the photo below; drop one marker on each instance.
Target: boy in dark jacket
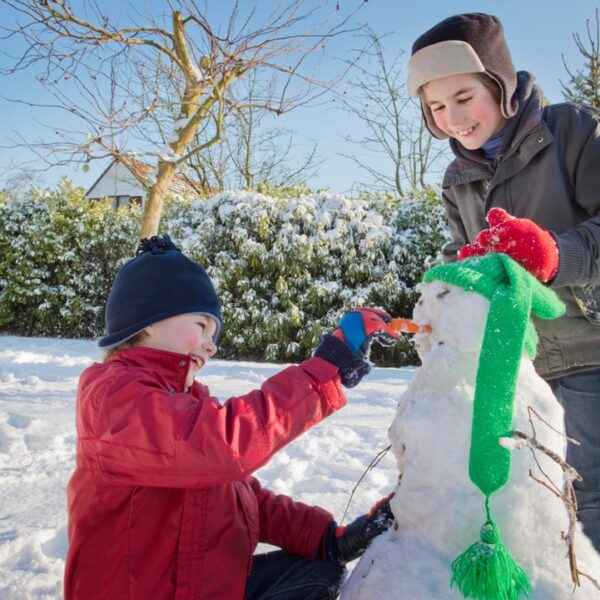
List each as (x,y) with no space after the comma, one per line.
(162,503)
(525,181)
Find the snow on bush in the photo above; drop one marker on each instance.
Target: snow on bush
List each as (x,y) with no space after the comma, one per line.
(59,253)
(286,268)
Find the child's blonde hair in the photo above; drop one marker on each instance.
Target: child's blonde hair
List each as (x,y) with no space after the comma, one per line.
(130,343)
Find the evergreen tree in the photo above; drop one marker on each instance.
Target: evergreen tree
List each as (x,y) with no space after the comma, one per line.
(583,86)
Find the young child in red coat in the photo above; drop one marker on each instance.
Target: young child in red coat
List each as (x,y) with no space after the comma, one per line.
(162,503)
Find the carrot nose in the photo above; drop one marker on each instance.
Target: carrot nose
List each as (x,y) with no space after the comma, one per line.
(409,326)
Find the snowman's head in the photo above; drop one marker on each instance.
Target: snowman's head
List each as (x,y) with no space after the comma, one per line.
(484,301)
(456,317)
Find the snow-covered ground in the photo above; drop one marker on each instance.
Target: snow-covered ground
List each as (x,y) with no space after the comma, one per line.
(38,382)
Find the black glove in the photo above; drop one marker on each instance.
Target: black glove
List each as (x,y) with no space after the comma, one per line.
(351,366)
(343,544)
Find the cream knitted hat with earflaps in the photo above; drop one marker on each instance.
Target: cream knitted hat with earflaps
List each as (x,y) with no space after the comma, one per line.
(467,43)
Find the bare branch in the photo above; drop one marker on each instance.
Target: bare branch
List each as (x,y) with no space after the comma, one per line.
(166,81)
(377,97)
(376,460)
(566,493)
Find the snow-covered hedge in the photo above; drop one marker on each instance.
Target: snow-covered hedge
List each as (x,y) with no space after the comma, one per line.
(59,253)
(286,268)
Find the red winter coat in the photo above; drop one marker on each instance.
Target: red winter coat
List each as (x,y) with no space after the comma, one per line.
(161,503)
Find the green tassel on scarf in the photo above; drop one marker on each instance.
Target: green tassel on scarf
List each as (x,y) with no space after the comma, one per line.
(486,570)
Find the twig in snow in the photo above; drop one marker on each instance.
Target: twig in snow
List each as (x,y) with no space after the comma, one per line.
(371,466)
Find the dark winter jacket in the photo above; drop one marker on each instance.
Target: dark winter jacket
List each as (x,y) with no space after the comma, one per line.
(162,504)
(548,170)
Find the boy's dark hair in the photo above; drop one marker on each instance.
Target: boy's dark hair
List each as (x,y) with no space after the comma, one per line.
(492,87)
(467,43)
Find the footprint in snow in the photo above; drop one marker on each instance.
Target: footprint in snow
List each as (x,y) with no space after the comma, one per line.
(56,546)
(18,421)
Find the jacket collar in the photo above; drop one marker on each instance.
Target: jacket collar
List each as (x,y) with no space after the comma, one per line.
(171,367)
(525,133)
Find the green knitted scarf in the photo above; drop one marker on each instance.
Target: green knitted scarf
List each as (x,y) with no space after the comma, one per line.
(486,571)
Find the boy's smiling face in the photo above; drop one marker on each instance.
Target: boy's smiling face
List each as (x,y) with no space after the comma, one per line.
(189,334)
(464,109)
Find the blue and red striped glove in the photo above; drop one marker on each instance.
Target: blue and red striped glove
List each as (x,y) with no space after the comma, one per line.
(348,346)
(360,327)
(345,543)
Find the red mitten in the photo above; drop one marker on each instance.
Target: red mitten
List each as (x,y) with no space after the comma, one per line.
(474,249)
(521,239)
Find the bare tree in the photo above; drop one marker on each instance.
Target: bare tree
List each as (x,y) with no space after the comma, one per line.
(120,76)
(252,153)
(14,181)
(263,157)
(394,127)
(583,86)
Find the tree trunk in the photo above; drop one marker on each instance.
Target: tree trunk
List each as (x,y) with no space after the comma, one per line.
(155,199)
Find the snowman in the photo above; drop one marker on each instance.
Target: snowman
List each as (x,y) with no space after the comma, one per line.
(479,442)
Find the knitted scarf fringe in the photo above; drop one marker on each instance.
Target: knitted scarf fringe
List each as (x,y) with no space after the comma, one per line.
(487,571)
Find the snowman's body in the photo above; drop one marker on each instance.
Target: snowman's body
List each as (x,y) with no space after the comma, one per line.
(438,509)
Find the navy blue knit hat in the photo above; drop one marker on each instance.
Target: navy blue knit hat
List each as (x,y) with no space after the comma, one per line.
(160,282)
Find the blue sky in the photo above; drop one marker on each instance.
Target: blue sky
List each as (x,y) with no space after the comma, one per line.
(539,32)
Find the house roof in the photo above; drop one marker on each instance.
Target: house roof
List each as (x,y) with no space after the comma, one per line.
(145,174)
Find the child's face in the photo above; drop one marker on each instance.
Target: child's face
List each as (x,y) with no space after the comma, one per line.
(463,108)
(188,334)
